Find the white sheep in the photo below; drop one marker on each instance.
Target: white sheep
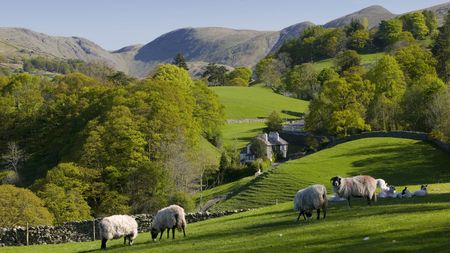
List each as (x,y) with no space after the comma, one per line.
(116,226)
(358,186)
(406,193)
(382,184)
(388,193)
(309,199)
(170,217)
(422,192)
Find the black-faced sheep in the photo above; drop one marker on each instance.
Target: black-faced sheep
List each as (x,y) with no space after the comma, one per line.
(422,192)
(170,217)
(358,186)
(116,226)
(309,199)
(406,193)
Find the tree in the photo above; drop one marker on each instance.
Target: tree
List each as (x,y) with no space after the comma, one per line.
(216,75)
(415,23)
(120,78)
(238,82)
(390,31)
(415,62)
(180,62)
(390,86)
(242,73)
(346,60)
(270,70)
(14,157)
(431,22)
(172,73)
(274,122)
(20,207)
(258,148)
(302,81)
(441,50)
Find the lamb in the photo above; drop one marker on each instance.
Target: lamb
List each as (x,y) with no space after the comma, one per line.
(388,193)
(170,217)
(309,199)
(116,226)
(422,192)
(406,193)
(358,186)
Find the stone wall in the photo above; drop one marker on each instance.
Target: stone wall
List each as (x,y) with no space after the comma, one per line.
(82,231)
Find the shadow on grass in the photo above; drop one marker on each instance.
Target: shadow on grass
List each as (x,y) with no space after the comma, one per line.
(403,164)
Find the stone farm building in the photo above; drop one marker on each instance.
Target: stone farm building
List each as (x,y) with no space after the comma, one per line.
(274,145)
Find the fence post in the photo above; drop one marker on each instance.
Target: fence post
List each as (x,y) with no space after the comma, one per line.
(93,229)
(28,241)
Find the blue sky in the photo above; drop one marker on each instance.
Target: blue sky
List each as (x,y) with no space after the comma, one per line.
(114,24)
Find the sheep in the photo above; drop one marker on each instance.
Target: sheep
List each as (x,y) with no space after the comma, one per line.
(116,226)
(358,186)
(406,193)
(170,217)
(422,192)
(382,184)
(388,193)
(309,199)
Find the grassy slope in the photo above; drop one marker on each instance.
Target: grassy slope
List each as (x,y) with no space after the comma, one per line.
(399,161)
(366,60)
(240,134)
(394,225)
(222,189)
(418,224)
(256,102)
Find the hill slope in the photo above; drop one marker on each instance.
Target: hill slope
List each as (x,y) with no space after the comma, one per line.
(374,14)
(399,161)
(257,102)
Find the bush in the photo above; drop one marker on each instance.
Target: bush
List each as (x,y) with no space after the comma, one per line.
(182,199)
(19,206)
(238,82)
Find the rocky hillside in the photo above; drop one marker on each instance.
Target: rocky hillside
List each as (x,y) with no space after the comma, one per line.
(225,46)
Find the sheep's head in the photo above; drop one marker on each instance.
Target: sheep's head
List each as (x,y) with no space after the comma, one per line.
(308,215)
(336,181)
(424,187)
(154,232)
(404,190)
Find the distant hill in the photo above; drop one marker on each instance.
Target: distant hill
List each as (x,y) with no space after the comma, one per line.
(200,46)
(374,14)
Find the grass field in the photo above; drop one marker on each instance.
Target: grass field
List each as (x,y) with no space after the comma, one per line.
(399,161)
(393,225)
(420,224)
(222,189)
(367,60)
(239,134)
(256,102)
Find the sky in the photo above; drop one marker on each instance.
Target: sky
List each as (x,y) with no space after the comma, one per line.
(114,24)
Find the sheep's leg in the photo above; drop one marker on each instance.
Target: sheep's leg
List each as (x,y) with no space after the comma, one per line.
(368,201)
(162,232)
(318,213)
(348,202)
(184,233)
(125,240)
(304,216)
(299,214)
(103,243)
(168,232)
(173,233)
(324,213)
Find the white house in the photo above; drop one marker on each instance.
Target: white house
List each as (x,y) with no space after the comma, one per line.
(274,144)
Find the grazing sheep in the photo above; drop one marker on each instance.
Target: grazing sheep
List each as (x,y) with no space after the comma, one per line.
(358,186)
(388,193)
(309,199)
(382,184)
(116,226)
(422,192)
(170,217)
(406,193)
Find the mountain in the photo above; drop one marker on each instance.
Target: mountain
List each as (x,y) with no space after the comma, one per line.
(290,32)
(24,42)
(374,14)
(200,46)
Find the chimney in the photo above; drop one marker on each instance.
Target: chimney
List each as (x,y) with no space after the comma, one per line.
(274,136)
